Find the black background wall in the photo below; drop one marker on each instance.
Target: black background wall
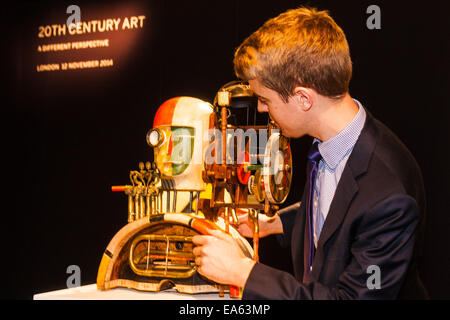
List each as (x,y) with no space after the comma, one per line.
(68,136)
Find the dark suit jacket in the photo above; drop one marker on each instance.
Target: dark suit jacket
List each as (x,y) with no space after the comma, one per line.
(375,218)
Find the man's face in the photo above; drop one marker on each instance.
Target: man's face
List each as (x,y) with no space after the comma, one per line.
(287,116)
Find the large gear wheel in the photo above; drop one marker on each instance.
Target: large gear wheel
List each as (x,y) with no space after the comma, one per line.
(277,170)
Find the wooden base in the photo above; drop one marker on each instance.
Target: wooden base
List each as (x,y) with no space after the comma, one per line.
(116,270)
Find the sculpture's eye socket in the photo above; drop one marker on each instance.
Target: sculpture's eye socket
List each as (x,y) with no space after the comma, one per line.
(155,137)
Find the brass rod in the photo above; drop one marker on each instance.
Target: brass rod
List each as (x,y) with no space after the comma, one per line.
(162,256)
(224,134)
(141,206)
(168,201)
(154,204)
(174,204)
(227,220)
(130,208)
(136,206)
(167,254)
(148,253)
(197,197)
(162,237)
(190,201)
(147,204)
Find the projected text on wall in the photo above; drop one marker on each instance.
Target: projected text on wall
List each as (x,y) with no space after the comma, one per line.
(104,28)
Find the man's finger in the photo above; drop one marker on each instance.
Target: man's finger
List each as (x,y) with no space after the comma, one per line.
(202,239)
(219,234)
(245,231)
(197,251)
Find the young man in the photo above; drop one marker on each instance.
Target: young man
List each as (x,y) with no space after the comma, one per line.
(354,234)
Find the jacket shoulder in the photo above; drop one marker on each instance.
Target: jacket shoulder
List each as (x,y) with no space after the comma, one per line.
(392,167)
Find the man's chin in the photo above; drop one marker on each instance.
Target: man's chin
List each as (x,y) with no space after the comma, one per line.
(284,132)
(288,134)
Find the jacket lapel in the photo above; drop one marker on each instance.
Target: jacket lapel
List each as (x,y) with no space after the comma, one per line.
(347,188)
(297,243)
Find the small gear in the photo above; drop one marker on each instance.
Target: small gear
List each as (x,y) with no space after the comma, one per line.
(258,187)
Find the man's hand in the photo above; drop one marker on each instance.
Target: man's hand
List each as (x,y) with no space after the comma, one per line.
(267,226)
(220,259)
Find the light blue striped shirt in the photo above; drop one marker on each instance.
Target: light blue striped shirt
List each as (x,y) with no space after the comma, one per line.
(335,153)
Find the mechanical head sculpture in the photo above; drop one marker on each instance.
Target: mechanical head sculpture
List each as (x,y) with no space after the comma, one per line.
(177,137)
(195,185)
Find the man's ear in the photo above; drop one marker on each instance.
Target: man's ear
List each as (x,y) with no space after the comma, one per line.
(304,97)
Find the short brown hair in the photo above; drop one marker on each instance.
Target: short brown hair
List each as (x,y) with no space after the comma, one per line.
(301,46)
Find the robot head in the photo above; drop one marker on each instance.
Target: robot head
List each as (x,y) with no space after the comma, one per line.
(177,138)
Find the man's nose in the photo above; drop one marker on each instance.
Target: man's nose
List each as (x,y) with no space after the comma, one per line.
(262,107)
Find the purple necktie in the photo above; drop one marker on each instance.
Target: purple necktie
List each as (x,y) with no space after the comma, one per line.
(311,173)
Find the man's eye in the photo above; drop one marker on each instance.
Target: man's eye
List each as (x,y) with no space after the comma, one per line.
(262,101)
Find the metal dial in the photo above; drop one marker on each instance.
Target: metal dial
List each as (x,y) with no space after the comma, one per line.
(277,171)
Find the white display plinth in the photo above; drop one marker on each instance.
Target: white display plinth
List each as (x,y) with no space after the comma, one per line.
(90,292)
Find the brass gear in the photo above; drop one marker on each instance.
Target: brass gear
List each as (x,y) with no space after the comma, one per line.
(257,187)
